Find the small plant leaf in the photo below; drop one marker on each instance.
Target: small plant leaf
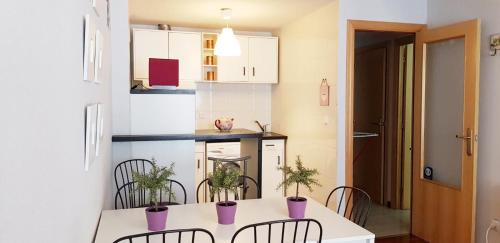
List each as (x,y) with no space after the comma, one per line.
(300,176)
(154,181)
(225,178)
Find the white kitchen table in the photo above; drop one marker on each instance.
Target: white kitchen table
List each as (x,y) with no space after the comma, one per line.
(117,223)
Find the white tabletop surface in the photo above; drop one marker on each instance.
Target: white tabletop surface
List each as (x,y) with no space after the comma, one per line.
(117,223)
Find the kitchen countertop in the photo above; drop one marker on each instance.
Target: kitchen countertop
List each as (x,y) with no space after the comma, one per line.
(163,91)
(273,135)
(214,134)
(200,135)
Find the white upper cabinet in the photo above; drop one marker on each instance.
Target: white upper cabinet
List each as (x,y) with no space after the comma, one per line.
(148,44)
(263,59)
(234,69)
(186,47)
(258,62)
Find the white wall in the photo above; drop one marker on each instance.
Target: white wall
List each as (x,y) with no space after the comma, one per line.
(404,11)
(488,165)
(46,194)
(120,55)
(308,50)
(243,102)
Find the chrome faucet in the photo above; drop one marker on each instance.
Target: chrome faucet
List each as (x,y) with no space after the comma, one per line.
(264,128)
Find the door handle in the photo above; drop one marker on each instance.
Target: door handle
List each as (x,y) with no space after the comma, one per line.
(468,139)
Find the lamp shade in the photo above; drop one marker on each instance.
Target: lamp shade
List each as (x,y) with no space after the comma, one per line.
(227,44)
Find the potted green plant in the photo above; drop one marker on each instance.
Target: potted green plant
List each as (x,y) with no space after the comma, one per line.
(155,181)
(225,178)
(300,176)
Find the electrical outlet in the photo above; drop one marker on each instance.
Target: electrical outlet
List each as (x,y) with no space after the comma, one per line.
(495,224)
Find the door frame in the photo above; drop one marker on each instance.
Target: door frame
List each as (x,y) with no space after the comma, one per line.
(352,27)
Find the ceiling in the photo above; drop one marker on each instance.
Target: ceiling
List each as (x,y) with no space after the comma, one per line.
(248,15)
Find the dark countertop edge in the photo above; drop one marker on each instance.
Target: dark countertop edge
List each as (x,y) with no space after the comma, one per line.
(163,91)
(273,136)
(197,138)
(156,137)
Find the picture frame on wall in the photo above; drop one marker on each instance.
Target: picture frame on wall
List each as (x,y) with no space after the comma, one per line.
(100,7)
(100,128)
(90,135)
(98,62)
(88,48)
(108,19)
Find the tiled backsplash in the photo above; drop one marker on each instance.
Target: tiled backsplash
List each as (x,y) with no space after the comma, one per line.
(243,102)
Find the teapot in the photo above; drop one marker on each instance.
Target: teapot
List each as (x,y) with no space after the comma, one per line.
(224,124)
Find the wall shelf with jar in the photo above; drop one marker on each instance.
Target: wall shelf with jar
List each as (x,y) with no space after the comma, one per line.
(209,65)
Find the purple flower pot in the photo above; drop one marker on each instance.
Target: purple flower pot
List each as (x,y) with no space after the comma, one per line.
(296,207)
(226,212)
(156,219)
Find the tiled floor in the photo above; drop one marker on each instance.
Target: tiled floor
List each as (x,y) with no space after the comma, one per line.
(400,239)
(384,221)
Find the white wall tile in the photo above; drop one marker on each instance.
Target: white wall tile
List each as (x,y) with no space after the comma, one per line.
(243,102)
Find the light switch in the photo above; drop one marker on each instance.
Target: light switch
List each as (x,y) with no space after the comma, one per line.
(202,115)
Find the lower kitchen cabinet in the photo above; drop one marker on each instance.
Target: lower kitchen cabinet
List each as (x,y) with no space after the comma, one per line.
(199,174)
(273,156)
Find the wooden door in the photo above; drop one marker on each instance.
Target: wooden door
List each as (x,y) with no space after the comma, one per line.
(234,69)
(445,128)
(369,117)
(186,47)
(148,44)
(263,59)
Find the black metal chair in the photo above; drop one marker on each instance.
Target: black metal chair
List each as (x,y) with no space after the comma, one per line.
(283,223)
(354,203)
(129,196)
(168,234)
(236,162)
(243,189)
(124,170)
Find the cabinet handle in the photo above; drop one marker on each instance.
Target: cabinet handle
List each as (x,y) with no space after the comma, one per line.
(269,145)
(244,71)
(198,163)
(279,160)
(253,71)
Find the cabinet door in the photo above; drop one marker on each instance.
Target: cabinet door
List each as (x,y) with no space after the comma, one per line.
(263,59)
(186,47)
(148,44)
(272,157)
(234,69)
(200,174)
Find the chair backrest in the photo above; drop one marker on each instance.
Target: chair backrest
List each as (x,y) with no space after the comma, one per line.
(162,236)
(263,232)
(236,162)
(353,203)
(243,189)
(124,170)
(129,196)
